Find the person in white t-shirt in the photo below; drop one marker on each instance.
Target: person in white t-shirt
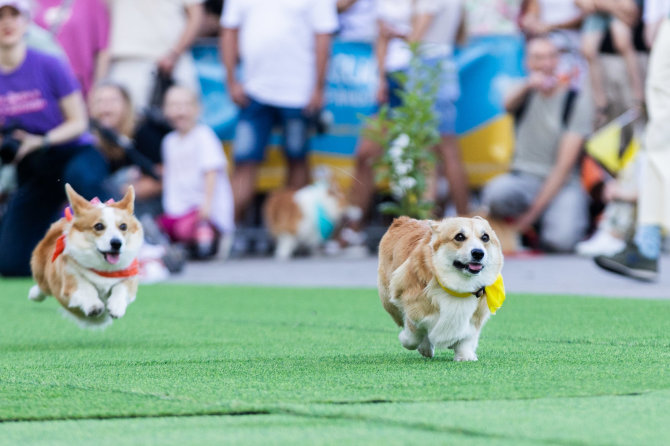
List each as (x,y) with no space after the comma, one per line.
(436,25)
(284,47)
(148,37)
(197,197)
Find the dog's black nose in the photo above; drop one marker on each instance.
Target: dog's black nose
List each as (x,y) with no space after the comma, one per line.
(477,254)
(115,244)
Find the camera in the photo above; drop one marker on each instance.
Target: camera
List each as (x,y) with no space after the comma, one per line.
(9,145)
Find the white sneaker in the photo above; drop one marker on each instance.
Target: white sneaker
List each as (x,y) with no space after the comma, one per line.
(602,243)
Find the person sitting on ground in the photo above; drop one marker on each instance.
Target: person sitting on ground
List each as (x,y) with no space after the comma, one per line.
(44,131)
(111,109)
(197,196)
(543,186)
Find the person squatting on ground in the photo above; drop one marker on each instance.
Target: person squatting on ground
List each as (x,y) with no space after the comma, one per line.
(42,112)
(284,46)
(543,185)
(641,256)
(197,196)
(435,24)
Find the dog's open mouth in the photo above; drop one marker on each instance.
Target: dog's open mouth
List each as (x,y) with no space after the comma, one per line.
(111,257)
(472,267)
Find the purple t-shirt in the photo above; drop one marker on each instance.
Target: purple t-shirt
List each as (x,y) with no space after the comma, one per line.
(30,95)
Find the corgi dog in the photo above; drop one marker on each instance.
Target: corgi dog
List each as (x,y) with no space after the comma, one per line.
(88,259)
(306,217)
(440,281)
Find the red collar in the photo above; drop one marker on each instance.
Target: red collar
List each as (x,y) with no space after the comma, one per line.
(131,271)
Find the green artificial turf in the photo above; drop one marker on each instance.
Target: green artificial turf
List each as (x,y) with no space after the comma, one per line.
(244,365)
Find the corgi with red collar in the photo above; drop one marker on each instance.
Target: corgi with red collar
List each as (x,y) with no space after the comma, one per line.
(88,259)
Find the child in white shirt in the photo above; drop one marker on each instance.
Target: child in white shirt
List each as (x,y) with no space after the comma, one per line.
(197,197)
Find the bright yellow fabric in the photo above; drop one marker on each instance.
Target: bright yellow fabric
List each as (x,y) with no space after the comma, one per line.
(495,293)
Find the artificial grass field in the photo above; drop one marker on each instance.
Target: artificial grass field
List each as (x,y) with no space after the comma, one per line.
(242,365)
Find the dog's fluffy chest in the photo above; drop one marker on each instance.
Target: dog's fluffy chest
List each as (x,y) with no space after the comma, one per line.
(453,322)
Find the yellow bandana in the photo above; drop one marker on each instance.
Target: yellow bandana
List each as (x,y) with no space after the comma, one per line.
(495,293)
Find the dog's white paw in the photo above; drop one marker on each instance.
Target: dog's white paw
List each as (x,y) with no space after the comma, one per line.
(93,309)
(465,356)
(116,308)
(426,348)
(35,294)
(409,339)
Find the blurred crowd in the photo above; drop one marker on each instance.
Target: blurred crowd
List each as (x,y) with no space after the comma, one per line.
(103,94)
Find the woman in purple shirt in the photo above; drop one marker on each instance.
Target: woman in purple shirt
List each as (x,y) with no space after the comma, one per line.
(42,110)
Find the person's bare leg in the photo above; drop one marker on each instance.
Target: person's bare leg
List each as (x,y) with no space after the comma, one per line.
(243,184)
(363,184)
(298,174)
(591,41)
(454,171)
(622,37)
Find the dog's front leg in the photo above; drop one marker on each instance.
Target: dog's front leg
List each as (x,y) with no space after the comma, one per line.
(465,349)
(83,295)
(118,301)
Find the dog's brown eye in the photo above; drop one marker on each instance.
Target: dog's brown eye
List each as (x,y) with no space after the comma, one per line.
(485,238)
(99,227)
(123,226)
(459,237)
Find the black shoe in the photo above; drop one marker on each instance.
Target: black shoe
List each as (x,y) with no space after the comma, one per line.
(630,262)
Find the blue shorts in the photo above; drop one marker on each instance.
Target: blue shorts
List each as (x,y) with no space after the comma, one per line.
(448,92)
(254,127)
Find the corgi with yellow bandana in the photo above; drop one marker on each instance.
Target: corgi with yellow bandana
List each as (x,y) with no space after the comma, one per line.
(88,259)
(440,281)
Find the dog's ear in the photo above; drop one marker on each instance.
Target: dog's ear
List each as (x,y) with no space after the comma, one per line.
(434,226)
(127,203)
(78,203)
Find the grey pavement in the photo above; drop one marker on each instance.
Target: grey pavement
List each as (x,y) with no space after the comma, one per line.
(553,274)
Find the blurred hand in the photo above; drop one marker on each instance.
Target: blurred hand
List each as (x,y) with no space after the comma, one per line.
(389,32)
(315,103)
(167,63)
(29,143)
(237,94)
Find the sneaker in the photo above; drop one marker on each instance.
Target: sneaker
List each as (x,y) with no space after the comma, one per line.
(630,262)
(602,243)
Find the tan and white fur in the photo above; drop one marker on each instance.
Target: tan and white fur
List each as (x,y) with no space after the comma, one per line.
(464,254)
(292,217)
(99,237)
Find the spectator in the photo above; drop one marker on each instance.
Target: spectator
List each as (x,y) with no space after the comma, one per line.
(543,186)
(435,24)
(284,47)
(197,196)
(211,23)
(640,258)
(82,29)
(149,37)
(41,99)
(497,17)
(654,14)
(619,17)
(357,20)
(111,109)
(560,19)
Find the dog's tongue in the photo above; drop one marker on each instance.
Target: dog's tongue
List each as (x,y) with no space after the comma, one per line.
(112,258)
(475,266)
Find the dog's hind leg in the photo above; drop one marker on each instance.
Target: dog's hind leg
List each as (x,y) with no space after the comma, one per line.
(35,294)
(286,245)
(409,337)
(426,348)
